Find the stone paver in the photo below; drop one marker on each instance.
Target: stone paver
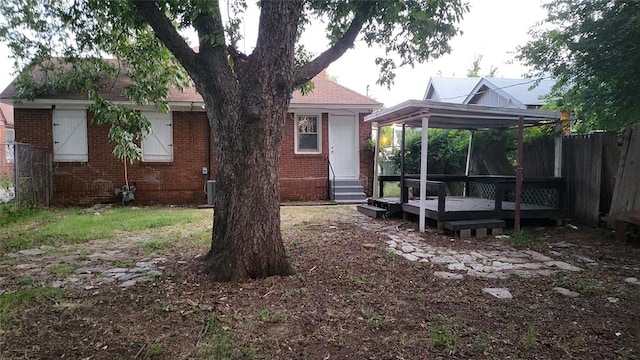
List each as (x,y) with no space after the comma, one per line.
(90,270)
(500,293)
(632,281)
(566,292)
(448,275)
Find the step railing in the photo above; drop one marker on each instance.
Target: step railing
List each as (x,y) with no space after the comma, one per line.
(331,182)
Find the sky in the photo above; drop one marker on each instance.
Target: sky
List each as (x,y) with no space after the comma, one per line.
(492,28)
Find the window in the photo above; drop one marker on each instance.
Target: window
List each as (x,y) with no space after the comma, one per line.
(157,146)
(308,134)
(70,135)
(9,147)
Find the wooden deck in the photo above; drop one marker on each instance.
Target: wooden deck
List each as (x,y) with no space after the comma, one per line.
(469,208)
(492,197)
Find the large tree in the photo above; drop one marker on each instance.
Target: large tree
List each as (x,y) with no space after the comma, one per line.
(246,96)
(592,48)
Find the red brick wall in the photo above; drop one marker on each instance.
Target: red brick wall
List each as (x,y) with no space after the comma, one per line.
(177,182)
(302,176)
(305,176)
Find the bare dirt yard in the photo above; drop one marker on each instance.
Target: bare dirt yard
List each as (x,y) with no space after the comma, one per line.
(363,289)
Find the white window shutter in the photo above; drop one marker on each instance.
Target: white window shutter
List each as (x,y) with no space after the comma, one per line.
(157,146)
(9,147)
(70,135)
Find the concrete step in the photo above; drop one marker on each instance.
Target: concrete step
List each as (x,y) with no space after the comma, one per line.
(347,182)
(350,198)
(348,189)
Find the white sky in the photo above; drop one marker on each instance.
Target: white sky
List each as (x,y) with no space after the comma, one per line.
(492,28)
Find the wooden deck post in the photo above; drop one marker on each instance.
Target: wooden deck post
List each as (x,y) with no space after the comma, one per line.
(557,154)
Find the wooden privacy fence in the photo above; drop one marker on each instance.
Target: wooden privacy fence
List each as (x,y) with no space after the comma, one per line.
(602,171)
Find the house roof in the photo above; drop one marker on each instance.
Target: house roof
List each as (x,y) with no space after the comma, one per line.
(6,115)
(523,92)
(325,92)
(464,90)
(450,89)
(458,116)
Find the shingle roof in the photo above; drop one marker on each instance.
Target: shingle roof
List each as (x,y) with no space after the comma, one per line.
(325,92)
(6,114)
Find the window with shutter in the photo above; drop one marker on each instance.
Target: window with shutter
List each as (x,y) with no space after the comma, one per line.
(157,146)
(9,148)
(70,135)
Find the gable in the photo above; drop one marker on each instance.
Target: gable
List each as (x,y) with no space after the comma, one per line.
(488,97)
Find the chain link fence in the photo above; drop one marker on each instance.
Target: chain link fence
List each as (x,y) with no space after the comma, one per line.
(25,174)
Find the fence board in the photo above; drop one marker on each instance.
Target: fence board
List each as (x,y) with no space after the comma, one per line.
(610,162)
(626,195)
(582,166)
(538,157)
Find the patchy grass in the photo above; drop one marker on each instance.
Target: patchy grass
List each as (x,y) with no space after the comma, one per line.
(14,302)
(31,227)
(441,333)
(62,269)
(525,239)
(269,316)
(218,343)
(530,337)
(375,321)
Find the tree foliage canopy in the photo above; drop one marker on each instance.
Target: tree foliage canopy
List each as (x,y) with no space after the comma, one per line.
(592,48)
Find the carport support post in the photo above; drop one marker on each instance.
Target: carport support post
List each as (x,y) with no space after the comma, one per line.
(557,158)
(516,224)
(423,172)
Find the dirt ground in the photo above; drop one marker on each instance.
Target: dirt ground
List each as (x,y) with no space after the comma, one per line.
(351,298)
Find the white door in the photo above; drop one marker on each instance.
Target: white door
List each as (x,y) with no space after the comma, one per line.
(343,147)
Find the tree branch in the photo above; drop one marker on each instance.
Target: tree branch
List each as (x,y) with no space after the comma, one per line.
(312,68)
(167,33)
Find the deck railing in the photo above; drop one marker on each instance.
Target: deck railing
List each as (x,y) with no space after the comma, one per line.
(549,192)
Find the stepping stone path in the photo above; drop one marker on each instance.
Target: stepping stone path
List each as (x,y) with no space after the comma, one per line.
(109,263)
(497,262)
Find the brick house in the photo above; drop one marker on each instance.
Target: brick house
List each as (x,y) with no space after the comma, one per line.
(6,139)
(326,125)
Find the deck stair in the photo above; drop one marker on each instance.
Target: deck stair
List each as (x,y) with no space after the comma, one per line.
(348,192)
(372,211)
(391,205)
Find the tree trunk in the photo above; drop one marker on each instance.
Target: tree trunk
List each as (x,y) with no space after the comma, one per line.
(247,125)
(247,242)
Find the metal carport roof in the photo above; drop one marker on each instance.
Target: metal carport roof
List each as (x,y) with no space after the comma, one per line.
(458,116)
